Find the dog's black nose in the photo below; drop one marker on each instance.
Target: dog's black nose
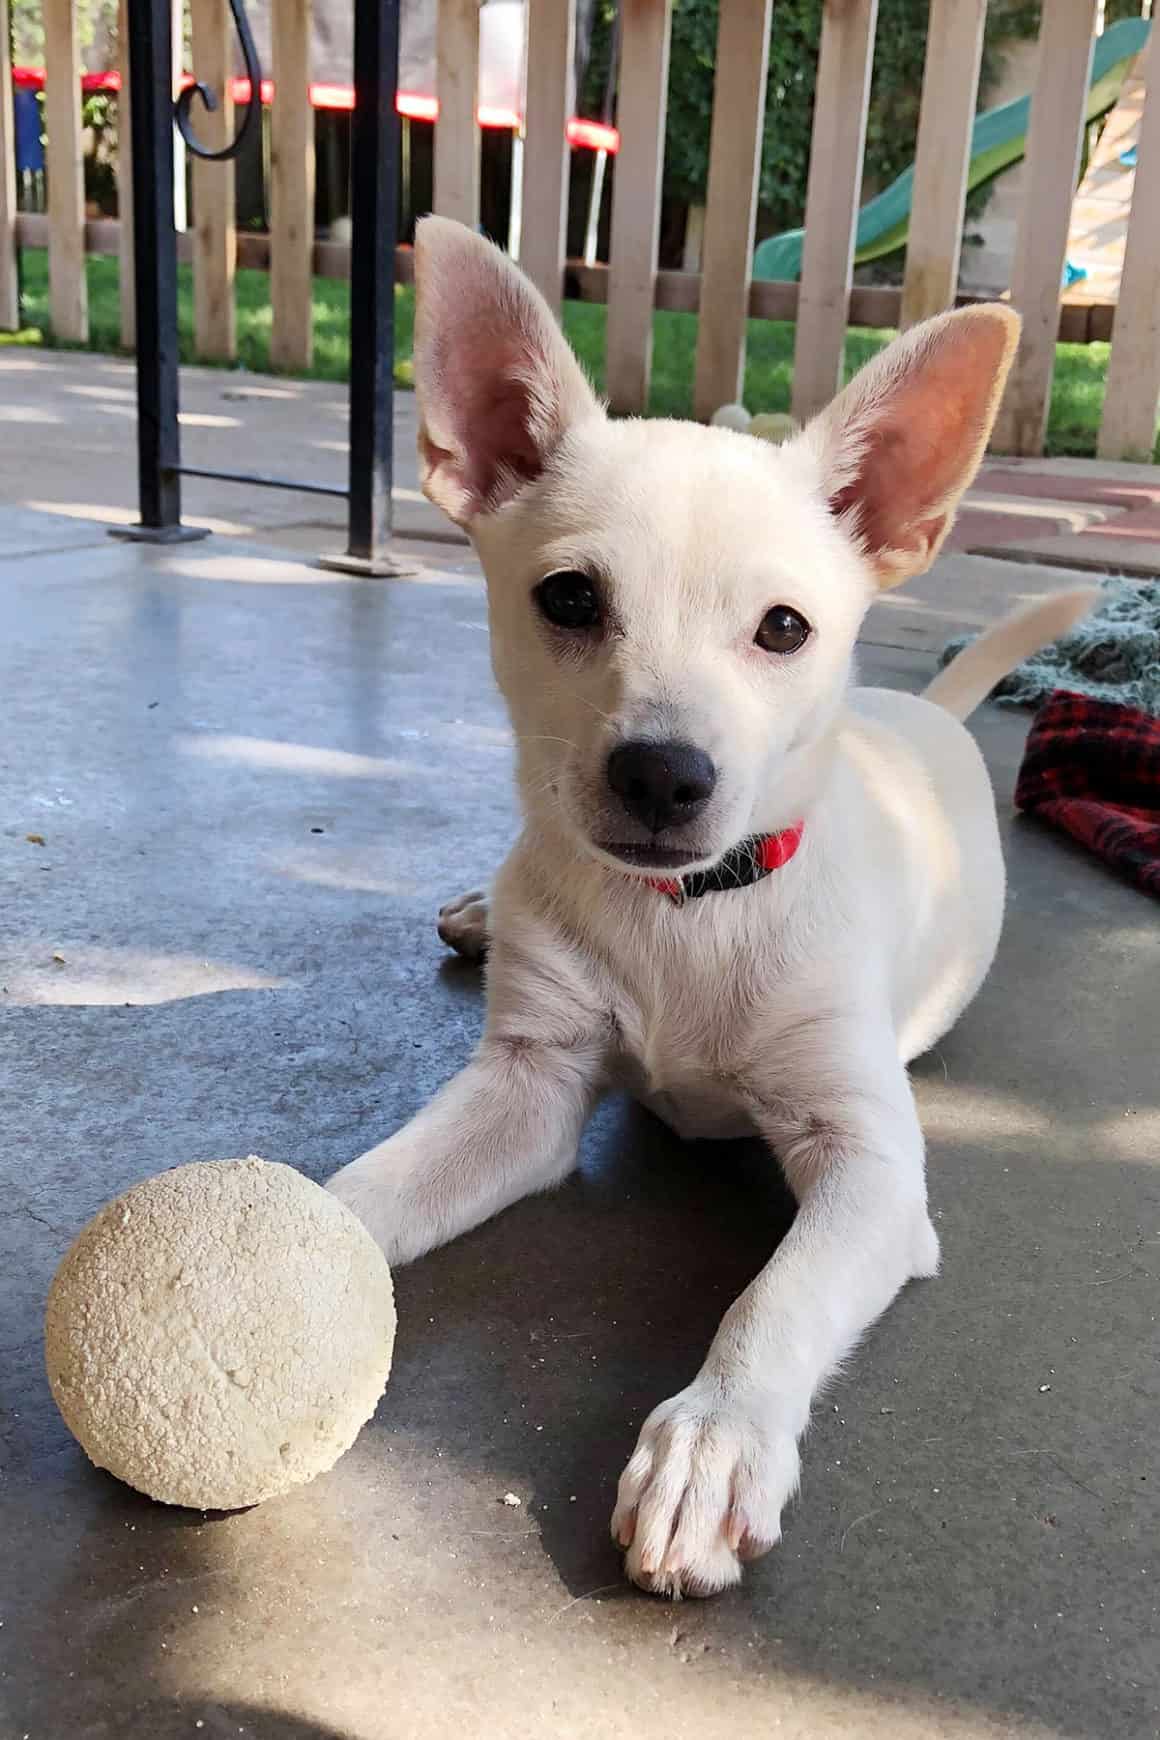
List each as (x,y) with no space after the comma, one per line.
(661,784)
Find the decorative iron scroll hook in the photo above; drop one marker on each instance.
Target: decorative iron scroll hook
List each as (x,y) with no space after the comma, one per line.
(184,103)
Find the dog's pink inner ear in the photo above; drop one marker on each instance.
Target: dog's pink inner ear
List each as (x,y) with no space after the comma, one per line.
(494,431)
(497,385)
(908,435)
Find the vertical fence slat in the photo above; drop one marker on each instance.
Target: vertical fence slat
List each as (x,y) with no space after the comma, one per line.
(731,201)
(180,154)
(9,282)
(645,29)
(1054,141)
(125,184)
(841,98)
(214,236)
(291,187)
(946,117)
(1128,426)
(544,201)
(456,191)
(68,297)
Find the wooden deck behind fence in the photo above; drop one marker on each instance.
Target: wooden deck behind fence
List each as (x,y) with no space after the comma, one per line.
(723,292)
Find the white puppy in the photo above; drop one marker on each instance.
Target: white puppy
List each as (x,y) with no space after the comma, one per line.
(746,889)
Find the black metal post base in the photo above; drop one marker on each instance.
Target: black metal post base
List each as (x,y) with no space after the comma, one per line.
(381,566)
(159,534)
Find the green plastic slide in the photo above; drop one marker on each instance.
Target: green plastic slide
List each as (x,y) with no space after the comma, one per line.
(998,140)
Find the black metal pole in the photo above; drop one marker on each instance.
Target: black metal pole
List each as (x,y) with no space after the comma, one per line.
(374,170)
(155,275)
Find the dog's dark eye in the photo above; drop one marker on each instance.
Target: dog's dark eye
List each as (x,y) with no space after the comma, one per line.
(782,630)
(568,600)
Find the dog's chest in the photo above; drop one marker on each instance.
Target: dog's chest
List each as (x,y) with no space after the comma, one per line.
(697,1110)
(684,1020)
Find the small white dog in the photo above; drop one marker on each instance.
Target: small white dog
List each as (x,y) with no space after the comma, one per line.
(745,889)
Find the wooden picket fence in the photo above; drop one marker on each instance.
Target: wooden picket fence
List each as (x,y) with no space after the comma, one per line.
(723,292)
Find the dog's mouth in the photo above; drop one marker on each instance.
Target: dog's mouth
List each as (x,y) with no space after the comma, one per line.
(649,857)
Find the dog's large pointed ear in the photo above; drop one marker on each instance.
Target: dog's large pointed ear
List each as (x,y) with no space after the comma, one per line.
(496,383)
(899,446)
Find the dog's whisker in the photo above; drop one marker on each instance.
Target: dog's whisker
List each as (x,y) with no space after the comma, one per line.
(599,711)
(542,737)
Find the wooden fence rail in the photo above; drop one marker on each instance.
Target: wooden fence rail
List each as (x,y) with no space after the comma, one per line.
(457,89)
(871,305)
(841,98)
(731,200)
(128,288)
(950,88)
(215,248)
(547,103)
(723,292)
(291,188)
(1128,428)
(9,277)
(1054,144)
(64,166)
(645,27)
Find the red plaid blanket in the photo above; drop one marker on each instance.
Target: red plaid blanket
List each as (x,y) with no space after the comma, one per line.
(1092,768)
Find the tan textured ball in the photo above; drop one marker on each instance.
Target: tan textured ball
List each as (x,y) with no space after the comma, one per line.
(220,1333)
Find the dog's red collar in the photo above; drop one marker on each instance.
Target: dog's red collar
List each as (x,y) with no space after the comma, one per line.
(749,861)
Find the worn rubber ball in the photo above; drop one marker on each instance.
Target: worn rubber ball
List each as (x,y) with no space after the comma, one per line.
(220,1333)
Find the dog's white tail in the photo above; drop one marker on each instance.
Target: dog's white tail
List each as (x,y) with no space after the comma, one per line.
(970,677)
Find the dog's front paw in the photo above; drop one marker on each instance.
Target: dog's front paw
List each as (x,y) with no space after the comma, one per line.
(704,1491)
(463,925)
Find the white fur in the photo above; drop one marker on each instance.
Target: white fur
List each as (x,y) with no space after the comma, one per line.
(788,1009)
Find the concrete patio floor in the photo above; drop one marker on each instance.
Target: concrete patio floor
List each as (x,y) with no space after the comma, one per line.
(255,781)
(66,443)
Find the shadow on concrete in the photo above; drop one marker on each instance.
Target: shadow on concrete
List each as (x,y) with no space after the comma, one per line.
(977,1532)
(978,1516)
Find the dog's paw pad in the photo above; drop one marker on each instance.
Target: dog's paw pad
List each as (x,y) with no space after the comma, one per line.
(703,1493)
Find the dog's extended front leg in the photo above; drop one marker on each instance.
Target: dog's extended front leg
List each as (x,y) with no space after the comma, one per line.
(716,1464)
(507,1125)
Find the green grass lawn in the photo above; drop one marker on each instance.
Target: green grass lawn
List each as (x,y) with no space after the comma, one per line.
(1077,397)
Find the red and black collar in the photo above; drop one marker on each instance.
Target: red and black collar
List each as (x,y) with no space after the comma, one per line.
(749,861)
